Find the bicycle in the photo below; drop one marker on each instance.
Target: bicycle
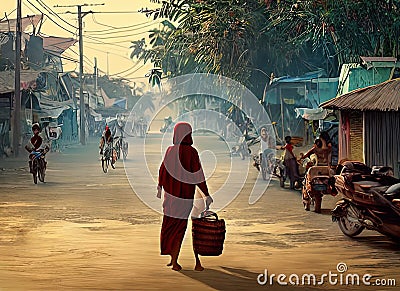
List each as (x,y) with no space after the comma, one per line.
(39,165)
(121,145)
(108,157)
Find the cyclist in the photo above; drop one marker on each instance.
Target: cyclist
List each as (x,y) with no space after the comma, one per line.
(266,146)
(35,144)
(107,137)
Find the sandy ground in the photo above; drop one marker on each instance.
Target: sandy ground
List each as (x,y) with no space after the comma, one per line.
(86,230)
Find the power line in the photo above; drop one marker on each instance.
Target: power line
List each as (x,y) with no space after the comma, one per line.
(111,43)
(51,19)
(117,12)
(115,30)
(6,15)
(102,42)
(125,71)
(48,9)
(134,71)
(122,36)
(121,27)
(87,59)
(99,50)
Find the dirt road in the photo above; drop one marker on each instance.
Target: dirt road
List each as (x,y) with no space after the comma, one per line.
(86,230)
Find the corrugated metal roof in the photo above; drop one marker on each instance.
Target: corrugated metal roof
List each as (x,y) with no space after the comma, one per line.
(382,97)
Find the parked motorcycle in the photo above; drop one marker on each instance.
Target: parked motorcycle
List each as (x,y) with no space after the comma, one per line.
(369,201)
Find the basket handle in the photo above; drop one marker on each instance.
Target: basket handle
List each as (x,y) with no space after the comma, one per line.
(209,214)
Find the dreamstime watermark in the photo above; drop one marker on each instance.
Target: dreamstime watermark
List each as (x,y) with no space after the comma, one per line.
(338,277)
(183,97)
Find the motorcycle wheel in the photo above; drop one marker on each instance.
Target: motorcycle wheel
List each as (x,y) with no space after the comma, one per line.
(348,227)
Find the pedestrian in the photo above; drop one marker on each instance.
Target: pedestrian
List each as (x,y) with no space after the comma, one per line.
(290,162)
(179,174)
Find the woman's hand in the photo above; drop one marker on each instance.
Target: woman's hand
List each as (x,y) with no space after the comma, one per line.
(159,192)
(209,200)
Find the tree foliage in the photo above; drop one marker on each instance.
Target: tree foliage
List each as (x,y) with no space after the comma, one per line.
(342,30)
(240,38)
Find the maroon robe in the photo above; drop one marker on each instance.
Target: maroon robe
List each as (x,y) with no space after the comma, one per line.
(179,174)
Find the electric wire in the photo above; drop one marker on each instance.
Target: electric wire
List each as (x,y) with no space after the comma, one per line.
(125,71)
(122,36)
(102,51)
(112,43)
(48,9)
(114,29)
(121,27)
(102,42)
(7,15)
(51,18)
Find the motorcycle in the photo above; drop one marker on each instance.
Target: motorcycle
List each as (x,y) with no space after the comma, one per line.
(270,165)
(242,148)
(317,183)
(370,200)
(168,125)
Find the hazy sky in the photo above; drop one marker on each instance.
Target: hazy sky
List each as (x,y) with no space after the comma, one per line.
(107,35)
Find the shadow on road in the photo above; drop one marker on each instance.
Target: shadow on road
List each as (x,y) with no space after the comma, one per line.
(233,279)
(379,242)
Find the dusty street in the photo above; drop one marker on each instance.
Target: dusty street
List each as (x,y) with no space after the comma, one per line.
(84,229)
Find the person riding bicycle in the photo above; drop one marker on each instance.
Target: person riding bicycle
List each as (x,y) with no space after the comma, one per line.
(107,137)
(266,145)
(35,144)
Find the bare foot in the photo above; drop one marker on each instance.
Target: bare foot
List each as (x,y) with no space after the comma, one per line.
(169,264)
(176,267)
(198,268)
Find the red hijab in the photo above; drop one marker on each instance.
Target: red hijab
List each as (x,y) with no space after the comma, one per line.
(181,170)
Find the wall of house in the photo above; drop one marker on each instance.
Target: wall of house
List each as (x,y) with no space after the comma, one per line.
(382,131)
(356,136)
(353,76)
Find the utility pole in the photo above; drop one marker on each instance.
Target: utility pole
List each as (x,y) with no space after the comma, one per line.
(17,84)
(107,66)
(95,75)
(82,120)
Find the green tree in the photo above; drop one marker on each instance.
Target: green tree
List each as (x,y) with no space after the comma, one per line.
(212,36)
(340,30)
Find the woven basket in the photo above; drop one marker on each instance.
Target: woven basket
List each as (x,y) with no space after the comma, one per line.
(208,235)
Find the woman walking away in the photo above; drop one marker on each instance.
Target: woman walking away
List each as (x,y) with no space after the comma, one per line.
(179,174)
